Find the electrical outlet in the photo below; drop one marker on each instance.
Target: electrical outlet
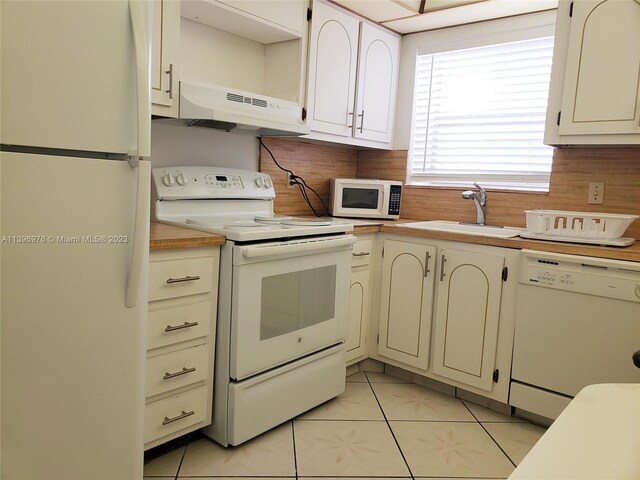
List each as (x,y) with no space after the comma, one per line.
(596,193)
(290,182)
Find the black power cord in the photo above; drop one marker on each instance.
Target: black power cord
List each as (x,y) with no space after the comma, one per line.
(300,182)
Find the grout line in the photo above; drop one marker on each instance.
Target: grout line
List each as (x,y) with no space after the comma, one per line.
(184,452)
(391,430)
(490,436)
(295,457)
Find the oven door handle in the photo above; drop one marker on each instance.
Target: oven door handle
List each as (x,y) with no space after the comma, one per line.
(312,246)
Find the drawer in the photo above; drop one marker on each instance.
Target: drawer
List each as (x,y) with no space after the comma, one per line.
(175,413)
(361,253)
(178,324)
(177,278)
(177,369)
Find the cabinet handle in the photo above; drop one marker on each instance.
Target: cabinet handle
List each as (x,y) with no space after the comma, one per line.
(183,279)
(360,254)
(184,371)
(442,274)
(426,265)
(184,414)
(170,72)
(171,328)
(361,121)
(350,114)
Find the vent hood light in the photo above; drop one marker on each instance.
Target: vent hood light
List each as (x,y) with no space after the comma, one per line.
(214,106)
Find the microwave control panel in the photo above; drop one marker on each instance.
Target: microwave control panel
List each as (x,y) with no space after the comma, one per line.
(394,199)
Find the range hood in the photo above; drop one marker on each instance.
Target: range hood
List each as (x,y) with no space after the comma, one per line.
(214,106)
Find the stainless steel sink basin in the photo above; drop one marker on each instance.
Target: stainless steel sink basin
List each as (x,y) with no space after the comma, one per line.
(469,229)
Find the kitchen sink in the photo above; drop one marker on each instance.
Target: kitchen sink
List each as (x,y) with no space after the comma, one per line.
(495,231)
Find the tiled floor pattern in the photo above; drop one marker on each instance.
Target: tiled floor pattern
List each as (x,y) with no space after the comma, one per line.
(380,427)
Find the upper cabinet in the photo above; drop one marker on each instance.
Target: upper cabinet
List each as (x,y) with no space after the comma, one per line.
(258,20)
(595,83)
(250,45)
(164,60)
(352,79)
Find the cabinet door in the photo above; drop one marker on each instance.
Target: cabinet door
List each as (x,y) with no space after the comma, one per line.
(332,70)
(406,301)
(377,84)
(467,316)
(164,54)
(358,313)
(602,82)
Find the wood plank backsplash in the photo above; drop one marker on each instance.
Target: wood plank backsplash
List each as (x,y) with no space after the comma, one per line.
(316,164)
(573,169)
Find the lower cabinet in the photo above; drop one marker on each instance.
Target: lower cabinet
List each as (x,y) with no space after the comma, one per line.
(183,292)
(359,301)
(467,316)
(406,302)
(442,313)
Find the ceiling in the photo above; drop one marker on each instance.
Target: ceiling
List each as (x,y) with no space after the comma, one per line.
(409,16)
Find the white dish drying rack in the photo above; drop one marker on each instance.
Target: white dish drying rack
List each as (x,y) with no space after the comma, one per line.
(580,227)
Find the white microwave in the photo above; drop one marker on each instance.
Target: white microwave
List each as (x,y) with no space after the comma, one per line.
(365,198)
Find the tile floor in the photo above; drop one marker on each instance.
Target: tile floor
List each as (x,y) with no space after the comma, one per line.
(380,427)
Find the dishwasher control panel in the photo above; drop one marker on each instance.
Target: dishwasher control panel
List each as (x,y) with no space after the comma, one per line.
(591,276)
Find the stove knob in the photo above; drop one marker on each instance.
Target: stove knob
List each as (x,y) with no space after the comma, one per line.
(181,178)
(167,179)
(267,182)
(259,182)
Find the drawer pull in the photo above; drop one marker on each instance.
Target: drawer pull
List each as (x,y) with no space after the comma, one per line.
(183,279)
(361,254)
(184,414)
(171,328)
(184,371)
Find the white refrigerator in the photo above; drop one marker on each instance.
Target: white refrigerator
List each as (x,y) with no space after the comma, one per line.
(74,223)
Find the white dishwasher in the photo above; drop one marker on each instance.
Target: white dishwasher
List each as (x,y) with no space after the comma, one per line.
(577,324)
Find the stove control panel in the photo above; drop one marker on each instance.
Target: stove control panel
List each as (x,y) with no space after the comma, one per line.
(181,183)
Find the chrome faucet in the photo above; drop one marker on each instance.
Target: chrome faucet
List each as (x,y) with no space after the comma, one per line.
(479,200)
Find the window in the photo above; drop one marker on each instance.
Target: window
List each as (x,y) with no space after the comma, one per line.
(479,116)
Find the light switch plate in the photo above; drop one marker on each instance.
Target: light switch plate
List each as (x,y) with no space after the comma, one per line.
(596,193)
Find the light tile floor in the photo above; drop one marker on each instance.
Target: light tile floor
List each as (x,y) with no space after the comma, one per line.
(380,427)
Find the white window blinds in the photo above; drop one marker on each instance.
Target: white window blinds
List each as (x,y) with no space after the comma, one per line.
(479,116)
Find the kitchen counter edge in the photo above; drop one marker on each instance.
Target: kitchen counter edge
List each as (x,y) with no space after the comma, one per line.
(162,237)
(630,253)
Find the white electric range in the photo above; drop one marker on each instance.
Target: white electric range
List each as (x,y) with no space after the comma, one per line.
(283,298)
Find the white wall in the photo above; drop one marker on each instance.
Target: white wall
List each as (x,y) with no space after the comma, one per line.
(173,143)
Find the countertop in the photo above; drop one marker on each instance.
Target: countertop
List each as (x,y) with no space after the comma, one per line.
(167,236)
(163,236)
(630,253)
(596,437)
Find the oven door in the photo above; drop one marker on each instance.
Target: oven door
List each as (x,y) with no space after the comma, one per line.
(289,299)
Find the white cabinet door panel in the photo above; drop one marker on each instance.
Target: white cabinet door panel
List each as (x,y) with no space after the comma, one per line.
(406,301)
(358,303)
(332,70)
(602,83)
(377,78)
(467,316)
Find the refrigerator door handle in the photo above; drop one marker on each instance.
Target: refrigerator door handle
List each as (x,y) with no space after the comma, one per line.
(140,235)
(141,15)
